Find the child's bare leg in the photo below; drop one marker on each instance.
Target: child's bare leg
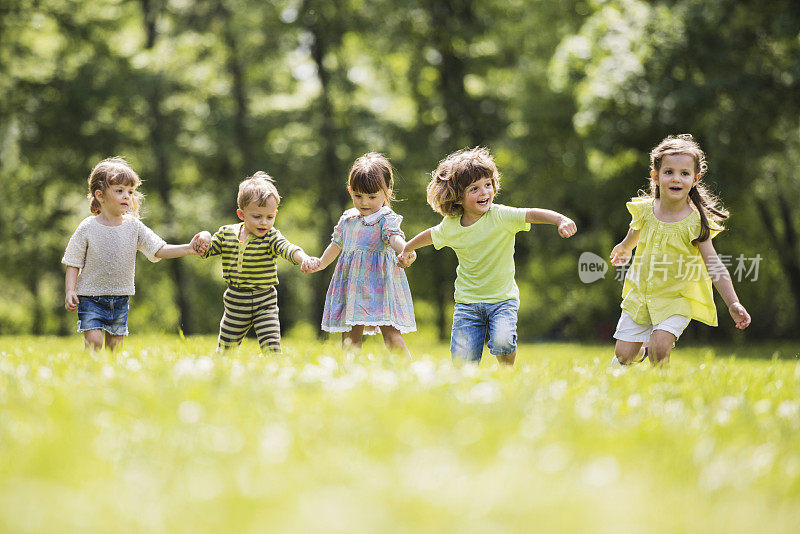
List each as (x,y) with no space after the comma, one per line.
(93,339)
(507,359)
(660,344)
(353,338)
(113,342)
(394,340)
(627,352)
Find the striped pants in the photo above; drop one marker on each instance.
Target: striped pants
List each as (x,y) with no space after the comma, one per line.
(245,309)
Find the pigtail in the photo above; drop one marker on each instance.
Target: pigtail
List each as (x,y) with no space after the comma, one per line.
(94,205)
(706,203)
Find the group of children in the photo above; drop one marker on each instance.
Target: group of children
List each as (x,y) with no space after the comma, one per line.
(369,292)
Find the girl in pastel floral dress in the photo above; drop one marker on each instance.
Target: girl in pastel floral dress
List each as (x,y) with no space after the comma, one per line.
(368,291)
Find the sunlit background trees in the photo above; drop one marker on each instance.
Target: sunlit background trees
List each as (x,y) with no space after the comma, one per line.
(569,95)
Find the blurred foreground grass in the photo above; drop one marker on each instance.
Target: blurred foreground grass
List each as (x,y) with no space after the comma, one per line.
(165,436)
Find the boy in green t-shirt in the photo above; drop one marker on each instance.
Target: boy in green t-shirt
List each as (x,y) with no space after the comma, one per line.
(482,234)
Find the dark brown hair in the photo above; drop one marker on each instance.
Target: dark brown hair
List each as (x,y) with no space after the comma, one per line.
(707,204)
(371,173)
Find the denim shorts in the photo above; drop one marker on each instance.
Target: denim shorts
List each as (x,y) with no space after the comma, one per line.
(471,322)
(109,313)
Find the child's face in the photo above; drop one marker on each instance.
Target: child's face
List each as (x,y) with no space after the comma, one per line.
(368,203)
(675,177)
(478,197)
(258,220)
(116,200)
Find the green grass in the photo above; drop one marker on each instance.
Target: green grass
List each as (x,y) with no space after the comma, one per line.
(166,437)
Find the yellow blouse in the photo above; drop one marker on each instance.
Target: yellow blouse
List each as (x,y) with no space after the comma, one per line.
(668,276)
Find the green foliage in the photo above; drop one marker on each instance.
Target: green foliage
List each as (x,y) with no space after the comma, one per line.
(570,96)
(165,436)
(724,70)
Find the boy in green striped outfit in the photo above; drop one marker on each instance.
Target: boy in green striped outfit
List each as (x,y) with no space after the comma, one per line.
(249,251)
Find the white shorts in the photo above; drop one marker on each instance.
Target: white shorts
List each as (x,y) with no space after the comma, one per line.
(629,330)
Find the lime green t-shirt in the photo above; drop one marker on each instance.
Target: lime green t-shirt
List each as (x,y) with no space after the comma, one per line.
(485,252)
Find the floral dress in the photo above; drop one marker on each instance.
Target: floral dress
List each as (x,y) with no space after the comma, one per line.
(368,287)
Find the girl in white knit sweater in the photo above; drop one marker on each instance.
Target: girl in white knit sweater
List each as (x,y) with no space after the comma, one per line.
(101,254)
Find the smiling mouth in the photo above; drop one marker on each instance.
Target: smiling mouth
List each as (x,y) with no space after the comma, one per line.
(483,202)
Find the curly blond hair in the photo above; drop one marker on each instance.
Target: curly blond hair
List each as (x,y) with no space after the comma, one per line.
(454,174)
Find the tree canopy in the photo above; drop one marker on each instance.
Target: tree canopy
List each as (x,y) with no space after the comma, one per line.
(570,96)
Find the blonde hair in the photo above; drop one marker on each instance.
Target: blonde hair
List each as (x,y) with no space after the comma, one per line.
(708,205)
(257,188)
(455,173)
(371,173)
(110,172)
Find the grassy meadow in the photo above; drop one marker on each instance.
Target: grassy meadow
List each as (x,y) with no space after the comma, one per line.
(164,436)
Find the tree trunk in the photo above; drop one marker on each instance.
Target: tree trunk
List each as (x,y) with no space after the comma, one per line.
(158,141)
(236,71)
(786,244)
(33,287)
(447,24)
(331,180)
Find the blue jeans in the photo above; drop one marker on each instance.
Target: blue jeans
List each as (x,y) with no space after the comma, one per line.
(470,325)
(109,313)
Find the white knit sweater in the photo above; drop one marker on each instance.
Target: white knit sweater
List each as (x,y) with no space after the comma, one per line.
(106,255)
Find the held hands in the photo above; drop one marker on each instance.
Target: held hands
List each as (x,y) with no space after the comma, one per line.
(71,301)
(567,227)
(310,265)
(201,242)
(406,258)
(739,315)
(620,255)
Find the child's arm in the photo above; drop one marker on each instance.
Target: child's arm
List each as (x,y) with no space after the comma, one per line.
(398,244)
(71,298)
(621,254)
(566,226)
(201,242)
(722,281)
(285,249)
(299,257)
(176,251)
(319,264)
(422,239)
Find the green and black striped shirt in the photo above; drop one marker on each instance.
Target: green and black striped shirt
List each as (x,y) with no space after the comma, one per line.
(250,264)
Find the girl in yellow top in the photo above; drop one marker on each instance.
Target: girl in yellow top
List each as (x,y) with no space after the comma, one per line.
(668,283)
